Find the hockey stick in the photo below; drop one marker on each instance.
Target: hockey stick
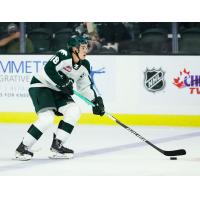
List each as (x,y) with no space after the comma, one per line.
(177,152)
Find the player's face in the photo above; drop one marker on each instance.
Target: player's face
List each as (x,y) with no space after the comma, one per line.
(83,49)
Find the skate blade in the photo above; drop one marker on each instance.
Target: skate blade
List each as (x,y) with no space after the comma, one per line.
(19,157)
(61,156)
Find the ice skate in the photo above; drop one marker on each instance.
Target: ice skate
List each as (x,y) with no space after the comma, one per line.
(59,151)
(22,153)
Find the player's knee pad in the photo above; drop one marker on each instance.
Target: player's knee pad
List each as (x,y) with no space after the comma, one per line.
(45,119)
(71,113)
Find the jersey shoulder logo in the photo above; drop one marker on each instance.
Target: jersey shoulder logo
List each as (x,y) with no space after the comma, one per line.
(64,52)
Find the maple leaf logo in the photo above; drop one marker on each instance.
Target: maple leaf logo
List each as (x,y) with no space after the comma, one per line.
(179,81)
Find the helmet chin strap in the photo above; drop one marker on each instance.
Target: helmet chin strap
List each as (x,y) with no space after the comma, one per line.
(77,64)
(76,53)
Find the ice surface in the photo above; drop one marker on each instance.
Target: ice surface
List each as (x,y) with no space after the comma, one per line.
(105,150)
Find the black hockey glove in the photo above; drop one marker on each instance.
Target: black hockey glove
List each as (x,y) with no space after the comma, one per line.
(67,88)
(99,106)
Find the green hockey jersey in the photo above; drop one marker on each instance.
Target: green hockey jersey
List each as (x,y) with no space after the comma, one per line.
(60,68)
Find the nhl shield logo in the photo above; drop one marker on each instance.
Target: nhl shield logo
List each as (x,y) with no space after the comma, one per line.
(154,80)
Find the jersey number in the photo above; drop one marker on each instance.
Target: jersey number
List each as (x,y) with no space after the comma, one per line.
(55,59)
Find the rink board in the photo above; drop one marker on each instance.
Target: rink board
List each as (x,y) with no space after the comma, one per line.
(141,90)
(155,120)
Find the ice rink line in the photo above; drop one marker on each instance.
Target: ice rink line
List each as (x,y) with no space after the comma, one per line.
(42,161)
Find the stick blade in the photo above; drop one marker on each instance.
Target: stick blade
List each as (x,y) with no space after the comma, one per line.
(178,152)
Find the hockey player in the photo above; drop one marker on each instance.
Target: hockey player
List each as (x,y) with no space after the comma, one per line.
(51,92)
